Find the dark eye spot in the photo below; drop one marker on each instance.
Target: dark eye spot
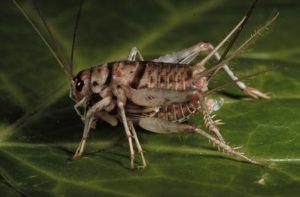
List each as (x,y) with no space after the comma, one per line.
(95,83)
(79,85)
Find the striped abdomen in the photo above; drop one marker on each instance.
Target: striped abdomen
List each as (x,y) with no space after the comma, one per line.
(146,74)
(178,112)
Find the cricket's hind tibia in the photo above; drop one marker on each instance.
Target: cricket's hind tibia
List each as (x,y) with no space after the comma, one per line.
(162,126)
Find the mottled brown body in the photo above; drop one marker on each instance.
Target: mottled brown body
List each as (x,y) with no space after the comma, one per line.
(155,94)
(147,74)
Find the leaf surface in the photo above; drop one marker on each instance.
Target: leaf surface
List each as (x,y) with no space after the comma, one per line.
(39,130)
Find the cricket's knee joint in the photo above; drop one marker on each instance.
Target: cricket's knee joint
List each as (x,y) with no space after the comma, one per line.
(84,138)
(241,84)
(121,104)
(89,114)
(194,96)
(190,129)
(204,46)
(129,135)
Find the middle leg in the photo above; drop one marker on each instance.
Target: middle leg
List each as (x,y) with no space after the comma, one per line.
(88,120)
(138,145)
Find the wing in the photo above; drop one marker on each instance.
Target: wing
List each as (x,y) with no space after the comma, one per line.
(154,97)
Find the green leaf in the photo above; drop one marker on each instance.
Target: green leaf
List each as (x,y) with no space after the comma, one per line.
(39,130)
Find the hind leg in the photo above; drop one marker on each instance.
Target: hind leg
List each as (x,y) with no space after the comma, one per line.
(186,56)
(162,126)
(210,123)
(134,52)
(254,93)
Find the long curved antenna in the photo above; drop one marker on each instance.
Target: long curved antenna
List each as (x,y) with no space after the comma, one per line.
(235,37)
(237,33)
(53,40)
(249,41)
(62,61)
(74,35)
(206,58)
(234,33)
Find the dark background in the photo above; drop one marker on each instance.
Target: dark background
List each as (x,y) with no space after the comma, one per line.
(39,129)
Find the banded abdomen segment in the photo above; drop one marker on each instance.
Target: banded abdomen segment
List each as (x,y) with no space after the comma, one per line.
(166,76)
(147,74)
(178,112)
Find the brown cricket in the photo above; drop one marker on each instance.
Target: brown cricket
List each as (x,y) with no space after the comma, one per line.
(158,95)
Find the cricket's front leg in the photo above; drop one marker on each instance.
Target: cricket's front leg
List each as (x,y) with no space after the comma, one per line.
(88,120)
(81,103)
(80,149)
(162,126)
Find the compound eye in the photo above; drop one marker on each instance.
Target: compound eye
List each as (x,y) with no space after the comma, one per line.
(79,85)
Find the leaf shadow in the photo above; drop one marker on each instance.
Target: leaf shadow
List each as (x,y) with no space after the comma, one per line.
(11,184)
(233,96)
(104,153)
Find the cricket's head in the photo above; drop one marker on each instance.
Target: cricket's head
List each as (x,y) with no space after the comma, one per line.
(80,85)
(90,81)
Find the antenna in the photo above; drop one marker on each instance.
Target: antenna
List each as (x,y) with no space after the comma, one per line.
(53,40)
(74,34)
(249,41)
(234,33)
(47,38)
(237,33)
